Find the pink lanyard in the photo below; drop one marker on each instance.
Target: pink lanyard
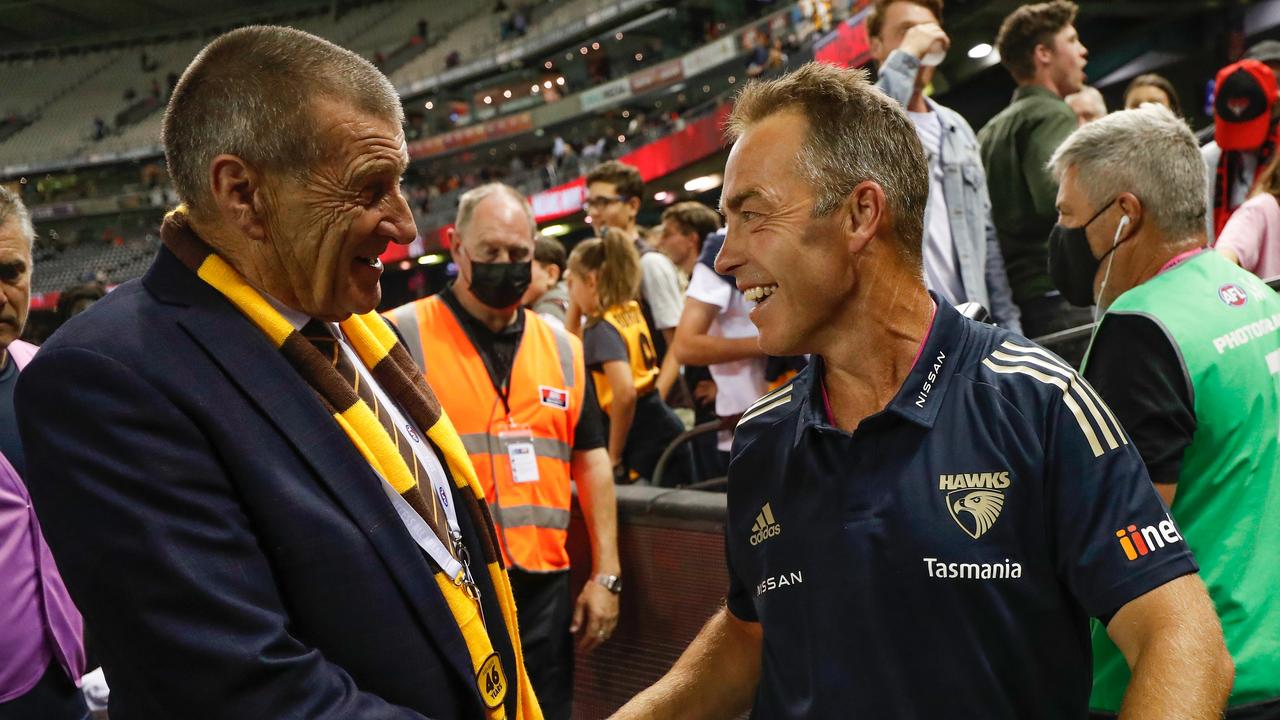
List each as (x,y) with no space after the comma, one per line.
(1178,259)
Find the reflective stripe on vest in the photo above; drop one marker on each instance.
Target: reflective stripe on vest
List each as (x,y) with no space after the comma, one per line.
(546,392)
(476,443)
(532,516)
(405,319)
(565,350)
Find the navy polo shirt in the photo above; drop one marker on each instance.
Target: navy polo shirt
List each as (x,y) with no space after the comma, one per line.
(944,559)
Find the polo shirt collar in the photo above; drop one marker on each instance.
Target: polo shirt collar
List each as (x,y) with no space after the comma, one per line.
(921,394)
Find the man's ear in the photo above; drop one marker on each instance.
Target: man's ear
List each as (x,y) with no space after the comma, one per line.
(238,195)
(553,271)
(1041,55)
(634,204)
(867,210)
(877,50)
(1131,206)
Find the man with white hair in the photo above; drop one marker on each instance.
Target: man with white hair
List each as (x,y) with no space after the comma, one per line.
(1088,104)
(41,636)
(1187,354)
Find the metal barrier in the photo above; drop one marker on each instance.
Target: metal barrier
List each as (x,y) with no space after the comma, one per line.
(671,545)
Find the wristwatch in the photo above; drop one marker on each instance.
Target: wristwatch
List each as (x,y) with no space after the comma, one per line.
(612,583)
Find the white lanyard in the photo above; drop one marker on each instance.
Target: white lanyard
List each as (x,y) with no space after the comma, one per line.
(422,533)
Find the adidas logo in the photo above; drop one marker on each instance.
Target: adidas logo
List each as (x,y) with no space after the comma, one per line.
(765,527)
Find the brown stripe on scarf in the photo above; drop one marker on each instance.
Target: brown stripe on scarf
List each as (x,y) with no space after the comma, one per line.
(419,401)
(177,235)
(482,518)
(316,369)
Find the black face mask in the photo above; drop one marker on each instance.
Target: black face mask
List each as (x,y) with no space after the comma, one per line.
(1072,265)
(500,285)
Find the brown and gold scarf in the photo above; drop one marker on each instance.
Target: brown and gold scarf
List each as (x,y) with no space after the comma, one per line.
(390,365)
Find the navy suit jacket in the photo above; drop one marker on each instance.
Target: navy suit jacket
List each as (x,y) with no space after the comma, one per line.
(233,554)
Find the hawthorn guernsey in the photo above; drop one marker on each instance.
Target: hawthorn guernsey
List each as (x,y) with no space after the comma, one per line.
(970,524)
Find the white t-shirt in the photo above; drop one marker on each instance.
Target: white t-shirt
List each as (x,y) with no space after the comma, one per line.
(741,382)
(941,268)
(660,286)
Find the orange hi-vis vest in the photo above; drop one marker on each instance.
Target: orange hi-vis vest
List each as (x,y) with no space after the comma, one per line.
(544,393)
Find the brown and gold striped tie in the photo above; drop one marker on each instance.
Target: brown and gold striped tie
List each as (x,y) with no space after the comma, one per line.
(424,501)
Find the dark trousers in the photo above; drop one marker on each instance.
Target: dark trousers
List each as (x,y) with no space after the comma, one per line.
(55,697)
(545,609)
(1051,313)
(652,430)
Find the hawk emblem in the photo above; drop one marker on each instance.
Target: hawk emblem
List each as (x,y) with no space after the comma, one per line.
(975,511)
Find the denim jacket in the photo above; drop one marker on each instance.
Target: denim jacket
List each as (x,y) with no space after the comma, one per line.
(964,184)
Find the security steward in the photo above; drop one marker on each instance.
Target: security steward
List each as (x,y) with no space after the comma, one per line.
(922,523)
(1187,354)
(525,408)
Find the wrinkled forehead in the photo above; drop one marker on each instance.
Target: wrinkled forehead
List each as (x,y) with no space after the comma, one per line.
(765,162)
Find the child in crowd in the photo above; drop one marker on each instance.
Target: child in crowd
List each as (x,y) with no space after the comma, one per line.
(604,279)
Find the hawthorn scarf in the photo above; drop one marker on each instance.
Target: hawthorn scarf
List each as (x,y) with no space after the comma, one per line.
(390,365)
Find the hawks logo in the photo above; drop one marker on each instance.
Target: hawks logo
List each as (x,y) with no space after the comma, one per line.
(974,499)
(1237,106)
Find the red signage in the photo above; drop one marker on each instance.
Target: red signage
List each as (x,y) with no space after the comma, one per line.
(848,45)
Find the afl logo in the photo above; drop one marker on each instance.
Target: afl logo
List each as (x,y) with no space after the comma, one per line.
(1232,295)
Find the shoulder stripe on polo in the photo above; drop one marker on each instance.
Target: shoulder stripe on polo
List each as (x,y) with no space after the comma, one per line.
(1061,384)
(1079,383)
(758,410)
(1073,385)
(769,396)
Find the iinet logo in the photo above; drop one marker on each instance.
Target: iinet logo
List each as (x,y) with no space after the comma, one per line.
(1137,542)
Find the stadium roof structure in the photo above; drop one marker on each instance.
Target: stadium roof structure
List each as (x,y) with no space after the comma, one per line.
(39,26)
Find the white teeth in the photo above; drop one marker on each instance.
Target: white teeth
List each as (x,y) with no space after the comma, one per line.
(372,262)
(756,294)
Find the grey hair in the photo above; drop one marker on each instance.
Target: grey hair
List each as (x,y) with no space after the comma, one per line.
(11,205)
(473,197)
(1092,99)
(251,93)
(1148,152)
(855,134)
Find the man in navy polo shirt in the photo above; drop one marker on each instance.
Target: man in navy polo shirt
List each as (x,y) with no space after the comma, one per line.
(923,522)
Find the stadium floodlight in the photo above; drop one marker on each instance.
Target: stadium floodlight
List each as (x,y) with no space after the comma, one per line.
(534,88)
(661,196)
(617,36)
(506,93)
(560,80)
(547,84)
(488,99)
(703,184)
(979,51)
(430,105)
(555,230)
(595,46)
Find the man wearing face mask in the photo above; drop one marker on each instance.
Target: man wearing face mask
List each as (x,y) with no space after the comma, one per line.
(1187,355)
(517,391)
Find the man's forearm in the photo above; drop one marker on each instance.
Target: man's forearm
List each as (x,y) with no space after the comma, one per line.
(1173,643)
(716,677)
(668,374)
(594,476)
(709,350)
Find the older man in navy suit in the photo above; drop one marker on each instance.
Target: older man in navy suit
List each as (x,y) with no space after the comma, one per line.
(258,510)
